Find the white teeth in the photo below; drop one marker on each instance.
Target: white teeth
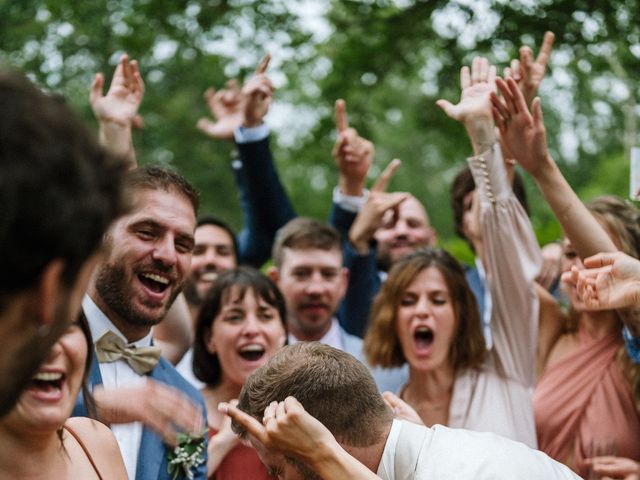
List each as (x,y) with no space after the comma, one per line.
(423,329)
(47,376)
(156,278)
(209,276)
(252,348)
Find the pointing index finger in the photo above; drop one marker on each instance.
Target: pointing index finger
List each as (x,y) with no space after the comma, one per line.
(545,50)
(385,177)
(341,115)
(262,67)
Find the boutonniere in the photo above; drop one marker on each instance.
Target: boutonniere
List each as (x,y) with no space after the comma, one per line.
(186,456)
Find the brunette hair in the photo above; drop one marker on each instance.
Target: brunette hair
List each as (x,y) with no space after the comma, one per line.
(463,183)
(302,233)
(154,177)
(206,366)
(332,386)
(381,344)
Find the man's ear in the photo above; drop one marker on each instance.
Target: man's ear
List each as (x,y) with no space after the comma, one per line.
(49,288)
(274,274)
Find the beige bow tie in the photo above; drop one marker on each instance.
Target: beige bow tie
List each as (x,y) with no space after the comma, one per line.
(110,347)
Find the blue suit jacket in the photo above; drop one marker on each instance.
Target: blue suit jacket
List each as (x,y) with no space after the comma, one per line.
(264,202)
(364,280)
(152,456)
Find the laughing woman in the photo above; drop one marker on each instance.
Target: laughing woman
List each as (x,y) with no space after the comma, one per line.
(38,438)
(240,326)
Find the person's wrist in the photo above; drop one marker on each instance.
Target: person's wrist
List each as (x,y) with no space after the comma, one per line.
(251,121)
(481,132)
(354,188)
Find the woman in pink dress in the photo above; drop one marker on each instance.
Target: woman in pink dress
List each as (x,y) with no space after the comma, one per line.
(240,326)
(585,394)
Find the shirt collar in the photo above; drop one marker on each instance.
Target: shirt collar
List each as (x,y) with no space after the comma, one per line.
(386,470)
(99,324)
(333,337)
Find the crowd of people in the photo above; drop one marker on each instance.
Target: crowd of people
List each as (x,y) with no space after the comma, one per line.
(142,340)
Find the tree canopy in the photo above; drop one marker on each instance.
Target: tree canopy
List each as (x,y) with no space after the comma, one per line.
(389,59)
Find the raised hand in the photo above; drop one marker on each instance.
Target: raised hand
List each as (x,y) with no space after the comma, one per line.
(120,104)
(522,133)
(476,85)
(226,108)
(233,107)
(352,153)
(609,281)
(474,107)
(527,72)
(370,217)
(161,408)
(257,95)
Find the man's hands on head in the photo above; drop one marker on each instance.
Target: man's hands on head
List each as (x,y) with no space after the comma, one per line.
(233,107)
(352,153)
(120,104)
(370,217)
(286,427)
(162,408)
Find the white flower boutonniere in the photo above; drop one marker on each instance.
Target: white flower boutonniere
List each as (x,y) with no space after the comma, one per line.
(187,456)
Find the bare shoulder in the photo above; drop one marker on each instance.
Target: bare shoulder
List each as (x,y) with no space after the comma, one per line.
(567,343)
(100,442)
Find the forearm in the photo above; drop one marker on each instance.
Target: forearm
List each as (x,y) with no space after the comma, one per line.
(332,461)
(511,260)
(579,225)
(118,139)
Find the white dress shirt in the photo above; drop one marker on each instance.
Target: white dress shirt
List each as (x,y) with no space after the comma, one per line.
(333,337)
(116,375)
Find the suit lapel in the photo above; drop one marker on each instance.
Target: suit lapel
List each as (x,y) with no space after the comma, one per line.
(95,378)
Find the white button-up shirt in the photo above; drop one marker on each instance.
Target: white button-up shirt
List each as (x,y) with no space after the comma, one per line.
(116,375)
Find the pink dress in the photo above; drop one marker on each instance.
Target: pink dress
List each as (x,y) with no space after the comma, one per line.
(584,397)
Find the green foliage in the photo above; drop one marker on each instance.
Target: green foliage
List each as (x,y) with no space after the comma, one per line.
(390,60)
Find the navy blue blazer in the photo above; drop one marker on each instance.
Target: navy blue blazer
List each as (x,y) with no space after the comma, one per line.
(264,202)
(364,279)
(152,456)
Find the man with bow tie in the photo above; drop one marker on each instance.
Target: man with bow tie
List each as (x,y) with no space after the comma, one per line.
(146,257)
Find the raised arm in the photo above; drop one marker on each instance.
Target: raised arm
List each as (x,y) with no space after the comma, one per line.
(506,243)
(239,114)
(353,155)
(117,111)
(525,136)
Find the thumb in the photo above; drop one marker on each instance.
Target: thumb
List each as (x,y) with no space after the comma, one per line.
(447,107)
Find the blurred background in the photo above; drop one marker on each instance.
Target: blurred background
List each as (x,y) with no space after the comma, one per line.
(389,59)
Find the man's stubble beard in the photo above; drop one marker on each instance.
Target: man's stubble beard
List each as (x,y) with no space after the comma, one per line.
(110,283)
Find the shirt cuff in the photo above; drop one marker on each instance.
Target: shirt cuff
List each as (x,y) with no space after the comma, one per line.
(251,134)
(489,174)
(350,203)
